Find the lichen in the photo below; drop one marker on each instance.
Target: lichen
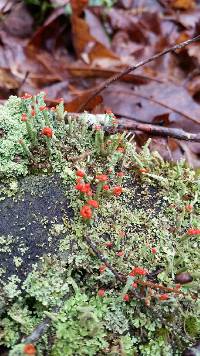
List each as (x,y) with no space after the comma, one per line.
(146,226)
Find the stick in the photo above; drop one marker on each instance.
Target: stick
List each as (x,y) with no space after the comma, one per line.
(92,245)
(162,131)
(145,127)
(131,68)
(38,331)
(158,286)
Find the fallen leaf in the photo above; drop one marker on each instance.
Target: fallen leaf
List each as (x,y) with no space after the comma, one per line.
(78,6)
(86,46)
(19,22)
(183,4)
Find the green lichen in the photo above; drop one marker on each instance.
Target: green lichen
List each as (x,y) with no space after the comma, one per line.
(151,212)
(85,335)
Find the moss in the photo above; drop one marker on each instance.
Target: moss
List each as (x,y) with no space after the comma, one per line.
(192,326)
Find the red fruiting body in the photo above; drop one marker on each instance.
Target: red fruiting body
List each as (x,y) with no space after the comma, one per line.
(154,250)
(117,191)
(80,173)
(29,349)
(102,177)
(101,293)
(78,180)
(97,127)
(106,187)
(193,232)
(86,188)
(89,193)
(83,187)
(134,285)
(114,122)
(121,233)
(164,297)
(138,270)
(26,96)
(93,203)
(143,170)
(102,268)
(79,186)
(120,149)
(42,108)
(189,208)
(108,111)
(120,174)
(60,100)
(126,298)
(47,131)
(109,244)
(24,117)
(120,253)
(86,212)
(33,112)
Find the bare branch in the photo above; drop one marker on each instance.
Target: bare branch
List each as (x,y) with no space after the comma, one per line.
(161,131)
(131,68)
(102,258)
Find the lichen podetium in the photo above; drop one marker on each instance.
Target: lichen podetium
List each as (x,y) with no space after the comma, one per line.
(114,260)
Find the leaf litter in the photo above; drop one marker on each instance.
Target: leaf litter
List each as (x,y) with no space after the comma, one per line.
(69,47)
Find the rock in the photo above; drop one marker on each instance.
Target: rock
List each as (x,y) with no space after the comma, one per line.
(26,224)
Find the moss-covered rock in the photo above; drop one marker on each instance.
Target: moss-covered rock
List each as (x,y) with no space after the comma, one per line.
(105,276)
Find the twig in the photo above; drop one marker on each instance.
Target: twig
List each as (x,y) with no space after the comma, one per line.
(119,276)
(38,331)
(162,131)
(152,129)
(92,245)
(131,68)
(81,157)
(23,81)
(158,286)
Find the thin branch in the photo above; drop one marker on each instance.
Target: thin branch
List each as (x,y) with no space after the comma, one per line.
(94,248)
(38,331)
(158,286)
(131,68)
(119,276)
(152,129)
(162,131)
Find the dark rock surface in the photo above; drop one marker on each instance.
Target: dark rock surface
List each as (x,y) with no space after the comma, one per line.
(26,223)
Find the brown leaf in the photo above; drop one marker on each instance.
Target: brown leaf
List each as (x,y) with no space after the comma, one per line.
(152,100)
(19,22)
(90,72)
(86,45)
(76,103)
(7,79)
(183,4)
(194,88)
(78,6)
(96,28)
(44,36)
